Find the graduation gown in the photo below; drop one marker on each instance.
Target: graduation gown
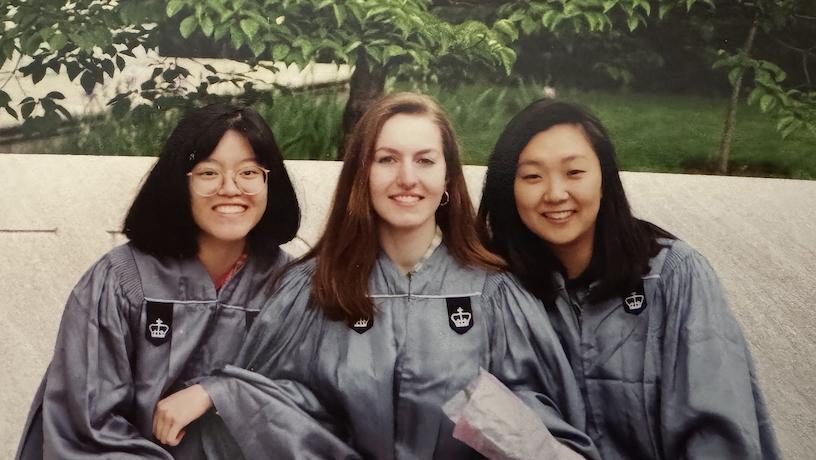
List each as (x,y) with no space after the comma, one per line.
(665,370)
(307,387)
(134,329)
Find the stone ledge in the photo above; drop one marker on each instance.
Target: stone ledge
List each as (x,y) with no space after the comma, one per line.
(60,213)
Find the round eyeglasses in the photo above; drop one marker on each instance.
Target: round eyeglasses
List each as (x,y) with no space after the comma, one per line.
(206,182)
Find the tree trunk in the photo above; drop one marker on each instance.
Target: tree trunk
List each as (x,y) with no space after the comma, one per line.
(731,116)
(366,86)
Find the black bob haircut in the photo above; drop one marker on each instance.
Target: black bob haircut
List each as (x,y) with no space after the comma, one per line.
(622,244)
(160,221)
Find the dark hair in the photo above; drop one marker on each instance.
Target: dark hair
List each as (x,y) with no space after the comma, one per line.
(348,249)
(160,220)
(622,245)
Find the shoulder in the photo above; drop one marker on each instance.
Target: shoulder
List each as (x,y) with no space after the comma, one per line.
(678,258)
(506,291)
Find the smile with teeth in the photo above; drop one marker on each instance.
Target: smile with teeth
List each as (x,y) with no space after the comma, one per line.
(406,198)
(558,215)
(229,208)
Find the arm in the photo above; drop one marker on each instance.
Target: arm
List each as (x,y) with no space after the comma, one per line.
(88,393)
(280,416)
(711,404)
(528,358)
(270,408)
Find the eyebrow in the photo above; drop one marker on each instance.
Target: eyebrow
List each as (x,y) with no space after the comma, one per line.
(245,160)
(567,159)
(418,152)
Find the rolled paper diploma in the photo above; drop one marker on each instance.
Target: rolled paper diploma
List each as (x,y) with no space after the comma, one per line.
(497,424)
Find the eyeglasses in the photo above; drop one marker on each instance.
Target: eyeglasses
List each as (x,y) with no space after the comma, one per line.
(207,181)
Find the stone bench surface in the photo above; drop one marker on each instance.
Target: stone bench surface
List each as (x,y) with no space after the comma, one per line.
(60,213)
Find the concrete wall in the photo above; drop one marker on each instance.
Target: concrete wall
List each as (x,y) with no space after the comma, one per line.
(58,214)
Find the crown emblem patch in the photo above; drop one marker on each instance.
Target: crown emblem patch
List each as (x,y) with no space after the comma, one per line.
(460,314)
(362,325)
(635,302)
(159,322)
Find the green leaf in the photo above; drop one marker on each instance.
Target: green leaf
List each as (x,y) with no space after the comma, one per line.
(753,98)
(107,66)
(207,25)
(87,81)
(65,113)
(250,27)
(664,8)
(339,14)
(38,74)
(735,75)
(12,112)
(220,31)
(280,51)
(257,47)
(784,122)
(608,5)
(57,41)
(236,37)
(27,108)
(173,7)
(507,28)
(632,22)
(766,102)
(791,128)
(73,69)
(188,26)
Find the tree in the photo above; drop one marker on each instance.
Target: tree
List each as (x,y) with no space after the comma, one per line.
(379,38)
(794,108)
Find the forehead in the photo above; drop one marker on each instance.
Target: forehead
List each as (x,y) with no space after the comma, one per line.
(559,143)
(410,133)
(232,148)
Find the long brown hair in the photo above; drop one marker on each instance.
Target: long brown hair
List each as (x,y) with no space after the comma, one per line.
(348,249)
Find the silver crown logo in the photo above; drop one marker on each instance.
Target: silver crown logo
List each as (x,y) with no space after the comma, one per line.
(158,330)
(461,318)
(362,322)
(634,301)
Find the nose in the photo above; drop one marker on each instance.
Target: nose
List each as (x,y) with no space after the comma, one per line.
(556,191)
(406,177)
(229,187)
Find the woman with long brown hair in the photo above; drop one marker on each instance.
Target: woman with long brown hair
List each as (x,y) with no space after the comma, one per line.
(391,314)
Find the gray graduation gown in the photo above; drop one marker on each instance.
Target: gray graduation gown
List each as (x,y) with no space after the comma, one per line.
(308,387)
(671,378)
(133,329)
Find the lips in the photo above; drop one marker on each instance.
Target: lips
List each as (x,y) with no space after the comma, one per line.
(229,208)
(558,216)
(406,198)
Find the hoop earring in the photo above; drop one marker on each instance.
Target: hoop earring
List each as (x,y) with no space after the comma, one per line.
(446,198)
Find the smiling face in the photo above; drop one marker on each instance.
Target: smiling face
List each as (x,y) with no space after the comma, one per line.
(408,171)
(558,190)
(228,216)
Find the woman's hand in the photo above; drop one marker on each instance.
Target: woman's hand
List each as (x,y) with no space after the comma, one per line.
(178,410)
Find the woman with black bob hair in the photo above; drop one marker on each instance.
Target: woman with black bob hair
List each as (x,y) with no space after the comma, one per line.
(661,361)
(176,301)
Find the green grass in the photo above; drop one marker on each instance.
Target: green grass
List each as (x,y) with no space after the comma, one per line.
(652,132)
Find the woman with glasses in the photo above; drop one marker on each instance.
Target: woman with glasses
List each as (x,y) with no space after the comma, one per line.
(390,315)
(661,361)
(173,303)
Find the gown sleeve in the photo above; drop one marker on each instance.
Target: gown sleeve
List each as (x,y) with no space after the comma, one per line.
(88,389)
(528,358)
(711,403)
(259,406)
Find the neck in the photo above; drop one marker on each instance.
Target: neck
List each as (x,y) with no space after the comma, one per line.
(406,247)
(574,259)
(218,256)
